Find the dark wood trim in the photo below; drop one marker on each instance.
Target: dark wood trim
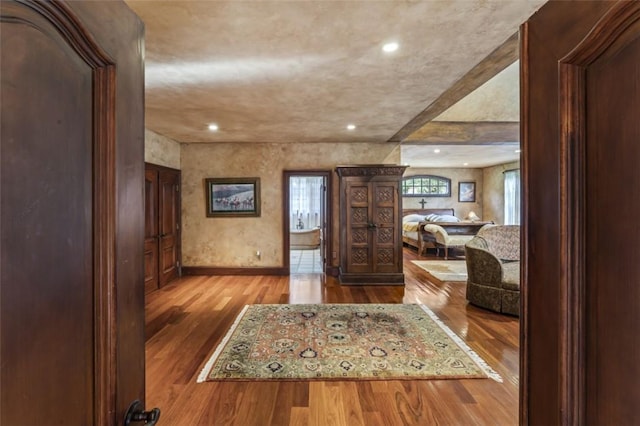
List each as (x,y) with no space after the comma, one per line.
(104,219)
(215,270)
(328,238)
(525,96)
(158,167)
(496,61)
(371,279)
(604,40)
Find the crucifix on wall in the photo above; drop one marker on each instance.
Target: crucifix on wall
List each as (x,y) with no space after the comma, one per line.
(422,202)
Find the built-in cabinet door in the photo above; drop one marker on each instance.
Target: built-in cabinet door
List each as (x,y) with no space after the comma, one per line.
(169,213)
(151,235)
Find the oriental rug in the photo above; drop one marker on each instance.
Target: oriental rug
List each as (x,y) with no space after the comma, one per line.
(342,342)
(444,270)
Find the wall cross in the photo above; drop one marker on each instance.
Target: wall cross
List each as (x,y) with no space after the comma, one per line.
(422,202)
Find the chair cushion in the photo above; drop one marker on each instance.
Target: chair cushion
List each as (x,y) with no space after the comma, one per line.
(511,276)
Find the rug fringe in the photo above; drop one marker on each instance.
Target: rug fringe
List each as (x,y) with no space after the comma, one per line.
(461,343)
(202,377)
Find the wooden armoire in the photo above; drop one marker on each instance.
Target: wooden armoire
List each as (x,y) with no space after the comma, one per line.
(370,224)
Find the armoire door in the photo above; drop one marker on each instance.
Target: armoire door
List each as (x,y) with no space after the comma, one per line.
(372,238)
(71,135)
(581,243)
(385,255)
(162,226)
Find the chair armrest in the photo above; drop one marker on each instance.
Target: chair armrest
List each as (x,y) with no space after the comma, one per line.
(483,267)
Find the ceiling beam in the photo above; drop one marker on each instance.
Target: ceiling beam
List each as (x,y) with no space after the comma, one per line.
(503,56)
(466,132)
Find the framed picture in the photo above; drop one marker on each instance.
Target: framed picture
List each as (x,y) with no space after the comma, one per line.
(467,192)
(229,197)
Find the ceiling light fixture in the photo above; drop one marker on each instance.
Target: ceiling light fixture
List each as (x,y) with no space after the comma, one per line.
(465,164)
(436,150)
(351,126)
(518,151)
(390,47)
(213,127)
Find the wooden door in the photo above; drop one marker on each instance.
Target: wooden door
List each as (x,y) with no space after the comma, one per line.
(162,226)
(151,234)
(581,323)
(169,227)
(71,148)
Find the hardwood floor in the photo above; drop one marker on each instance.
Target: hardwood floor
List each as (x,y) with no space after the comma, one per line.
(186,320)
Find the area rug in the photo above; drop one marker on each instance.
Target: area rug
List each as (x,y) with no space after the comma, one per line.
(444,270)
(342,342)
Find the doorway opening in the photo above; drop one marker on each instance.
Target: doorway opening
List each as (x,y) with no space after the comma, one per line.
(306,221)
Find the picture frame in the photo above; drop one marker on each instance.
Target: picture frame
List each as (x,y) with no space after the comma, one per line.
(233,197)
(466,192)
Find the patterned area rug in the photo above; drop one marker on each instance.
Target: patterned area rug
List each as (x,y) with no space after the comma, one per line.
(444,270)
(342,341)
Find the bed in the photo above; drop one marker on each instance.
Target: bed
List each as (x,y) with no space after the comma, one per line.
(437,228)
(411,219)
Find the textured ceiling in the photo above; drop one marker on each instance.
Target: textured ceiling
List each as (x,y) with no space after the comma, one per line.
(300,71)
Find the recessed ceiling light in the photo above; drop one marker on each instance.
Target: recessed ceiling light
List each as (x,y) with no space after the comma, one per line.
(518,151)
(436,150)
(390,47)
(465,164)
(351,126)
(213,127)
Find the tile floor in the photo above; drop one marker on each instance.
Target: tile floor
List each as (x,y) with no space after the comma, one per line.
(305,261)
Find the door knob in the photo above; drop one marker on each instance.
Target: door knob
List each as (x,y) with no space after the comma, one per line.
(136,413)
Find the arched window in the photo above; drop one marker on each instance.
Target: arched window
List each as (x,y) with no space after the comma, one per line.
(426,186)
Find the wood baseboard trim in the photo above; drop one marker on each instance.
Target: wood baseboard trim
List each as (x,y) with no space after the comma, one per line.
(214,270)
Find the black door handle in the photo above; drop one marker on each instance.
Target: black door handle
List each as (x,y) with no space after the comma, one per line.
(136,413)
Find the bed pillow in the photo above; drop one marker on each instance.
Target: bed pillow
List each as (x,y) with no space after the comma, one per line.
(413,218)
(448,218)
(441,218)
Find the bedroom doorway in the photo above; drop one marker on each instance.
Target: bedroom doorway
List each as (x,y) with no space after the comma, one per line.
(306,221)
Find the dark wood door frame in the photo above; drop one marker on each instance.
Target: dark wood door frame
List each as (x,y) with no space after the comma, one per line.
(286,223)
(566,378)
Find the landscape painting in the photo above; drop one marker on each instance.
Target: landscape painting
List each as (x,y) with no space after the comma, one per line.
(227,197)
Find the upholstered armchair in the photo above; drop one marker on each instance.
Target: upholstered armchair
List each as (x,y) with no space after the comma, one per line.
(493,269)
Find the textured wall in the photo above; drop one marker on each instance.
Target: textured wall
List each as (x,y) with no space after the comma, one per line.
(161,150)
(493,199)
(456,175)
(232,242)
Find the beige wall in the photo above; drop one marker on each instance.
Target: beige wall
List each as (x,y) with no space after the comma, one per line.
(233,242)
(161,150)
(456,175)
(493,197)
